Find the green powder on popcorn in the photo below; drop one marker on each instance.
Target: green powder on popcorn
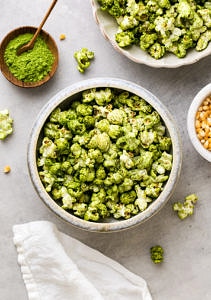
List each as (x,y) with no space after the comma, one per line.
(32,65)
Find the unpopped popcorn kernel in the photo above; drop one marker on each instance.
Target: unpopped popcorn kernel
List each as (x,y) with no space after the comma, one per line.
(62,36)
(203,123)
(7,169)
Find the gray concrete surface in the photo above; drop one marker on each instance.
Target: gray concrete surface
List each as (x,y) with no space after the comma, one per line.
(186,271)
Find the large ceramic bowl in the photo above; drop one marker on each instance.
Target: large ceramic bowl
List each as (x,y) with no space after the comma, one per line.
(108,28)
(63,100)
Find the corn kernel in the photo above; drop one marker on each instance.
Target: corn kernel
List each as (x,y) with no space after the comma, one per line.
(7,169)
(62,36)
(198,124)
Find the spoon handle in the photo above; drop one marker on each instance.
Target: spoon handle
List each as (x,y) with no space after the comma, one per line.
(43,22)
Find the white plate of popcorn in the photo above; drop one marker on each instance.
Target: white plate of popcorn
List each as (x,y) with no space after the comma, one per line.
(173,51)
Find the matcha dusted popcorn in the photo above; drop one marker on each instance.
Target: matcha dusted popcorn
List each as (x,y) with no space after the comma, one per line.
(107,154)
(6,123)
(161,27)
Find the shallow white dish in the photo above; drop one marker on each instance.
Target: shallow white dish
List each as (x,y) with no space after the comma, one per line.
(108,28)
(198,99)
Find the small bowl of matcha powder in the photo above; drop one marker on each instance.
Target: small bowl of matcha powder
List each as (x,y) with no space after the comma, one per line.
(31,68)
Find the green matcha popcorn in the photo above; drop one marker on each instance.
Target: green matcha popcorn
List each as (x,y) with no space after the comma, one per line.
(6,124)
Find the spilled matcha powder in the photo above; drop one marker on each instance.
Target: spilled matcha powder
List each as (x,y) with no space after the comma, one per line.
(32,65)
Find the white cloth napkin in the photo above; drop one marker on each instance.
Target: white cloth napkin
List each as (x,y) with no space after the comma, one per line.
(57,266)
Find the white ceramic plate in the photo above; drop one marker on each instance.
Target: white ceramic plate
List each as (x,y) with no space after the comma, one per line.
(108,27)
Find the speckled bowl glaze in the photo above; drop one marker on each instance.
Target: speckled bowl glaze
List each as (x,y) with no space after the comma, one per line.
(195,104)
(72,93)
(51,45)
(108,28)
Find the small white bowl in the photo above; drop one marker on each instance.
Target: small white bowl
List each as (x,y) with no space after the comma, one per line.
(198,99)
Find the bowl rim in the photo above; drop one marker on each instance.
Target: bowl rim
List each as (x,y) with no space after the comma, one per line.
(106,25)
(119,84)
(195,104)
(4,68)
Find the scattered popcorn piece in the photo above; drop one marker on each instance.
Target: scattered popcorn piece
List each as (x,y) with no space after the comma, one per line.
(62,36)
(7,169)
(6,124)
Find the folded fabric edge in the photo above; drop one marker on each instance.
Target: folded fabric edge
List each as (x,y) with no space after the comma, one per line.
(99,257)
(27,236)
(23,230)
(27,276)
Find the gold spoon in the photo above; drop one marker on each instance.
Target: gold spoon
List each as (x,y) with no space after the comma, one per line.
(30,44)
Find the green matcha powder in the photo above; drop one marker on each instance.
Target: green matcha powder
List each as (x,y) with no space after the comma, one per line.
(32,65)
